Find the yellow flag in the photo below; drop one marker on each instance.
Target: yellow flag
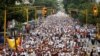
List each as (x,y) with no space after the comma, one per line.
(11,43)
(18,41)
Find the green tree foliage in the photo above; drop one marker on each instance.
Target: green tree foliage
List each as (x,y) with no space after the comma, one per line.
(19,14)
(3,5)
(81,5)
(11,3)
(48,3)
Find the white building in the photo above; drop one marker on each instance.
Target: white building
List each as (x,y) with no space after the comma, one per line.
(24,2)
(28,1)
(97,1)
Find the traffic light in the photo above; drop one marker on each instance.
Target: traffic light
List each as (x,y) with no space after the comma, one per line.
(44,11)
(95,10)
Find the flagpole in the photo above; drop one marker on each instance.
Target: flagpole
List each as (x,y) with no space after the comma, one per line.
(15,39)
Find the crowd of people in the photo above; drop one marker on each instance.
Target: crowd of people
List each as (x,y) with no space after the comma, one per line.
(58,35)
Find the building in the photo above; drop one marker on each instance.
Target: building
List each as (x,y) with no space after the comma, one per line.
(28,1)
(97,1)
(24,2)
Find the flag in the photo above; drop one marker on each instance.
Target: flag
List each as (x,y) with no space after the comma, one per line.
(18,41)
(11,42)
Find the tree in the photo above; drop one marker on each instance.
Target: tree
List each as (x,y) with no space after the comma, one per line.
(81,5)
(3,5)
(48,3)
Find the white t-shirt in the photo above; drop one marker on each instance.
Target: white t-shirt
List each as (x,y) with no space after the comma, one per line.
(61,45)
(14,54)
(4,50)
(22,53)
(33,54)
(98,49)
(77,27)
(50,42)
(27,46)
(71,43)
(74,44)
(48,53)
(26,54)
(61,54)
(67,54)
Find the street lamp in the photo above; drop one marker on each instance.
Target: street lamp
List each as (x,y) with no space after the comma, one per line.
(95,10)
(95,13)
(5,12)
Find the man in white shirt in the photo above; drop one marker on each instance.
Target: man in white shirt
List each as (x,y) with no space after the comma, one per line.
(33,53)
(50,42)
(26,53)
(4,50)
(71,43)
(14,54)
(48,53)
(61,54)
(68,54)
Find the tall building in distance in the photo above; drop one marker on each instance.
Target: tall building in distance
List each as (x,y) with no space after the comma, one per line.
(25,2)
(28,1)
(97,1)
(92,0)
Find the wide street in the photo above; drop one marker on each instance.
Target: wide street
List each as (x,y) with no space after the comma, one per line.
(50,28)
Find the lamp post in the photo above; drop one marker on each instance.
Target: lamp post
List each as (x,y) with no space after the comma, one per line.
(95,13)
(5,27)
(95,10)
(86,16)
(26,2)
